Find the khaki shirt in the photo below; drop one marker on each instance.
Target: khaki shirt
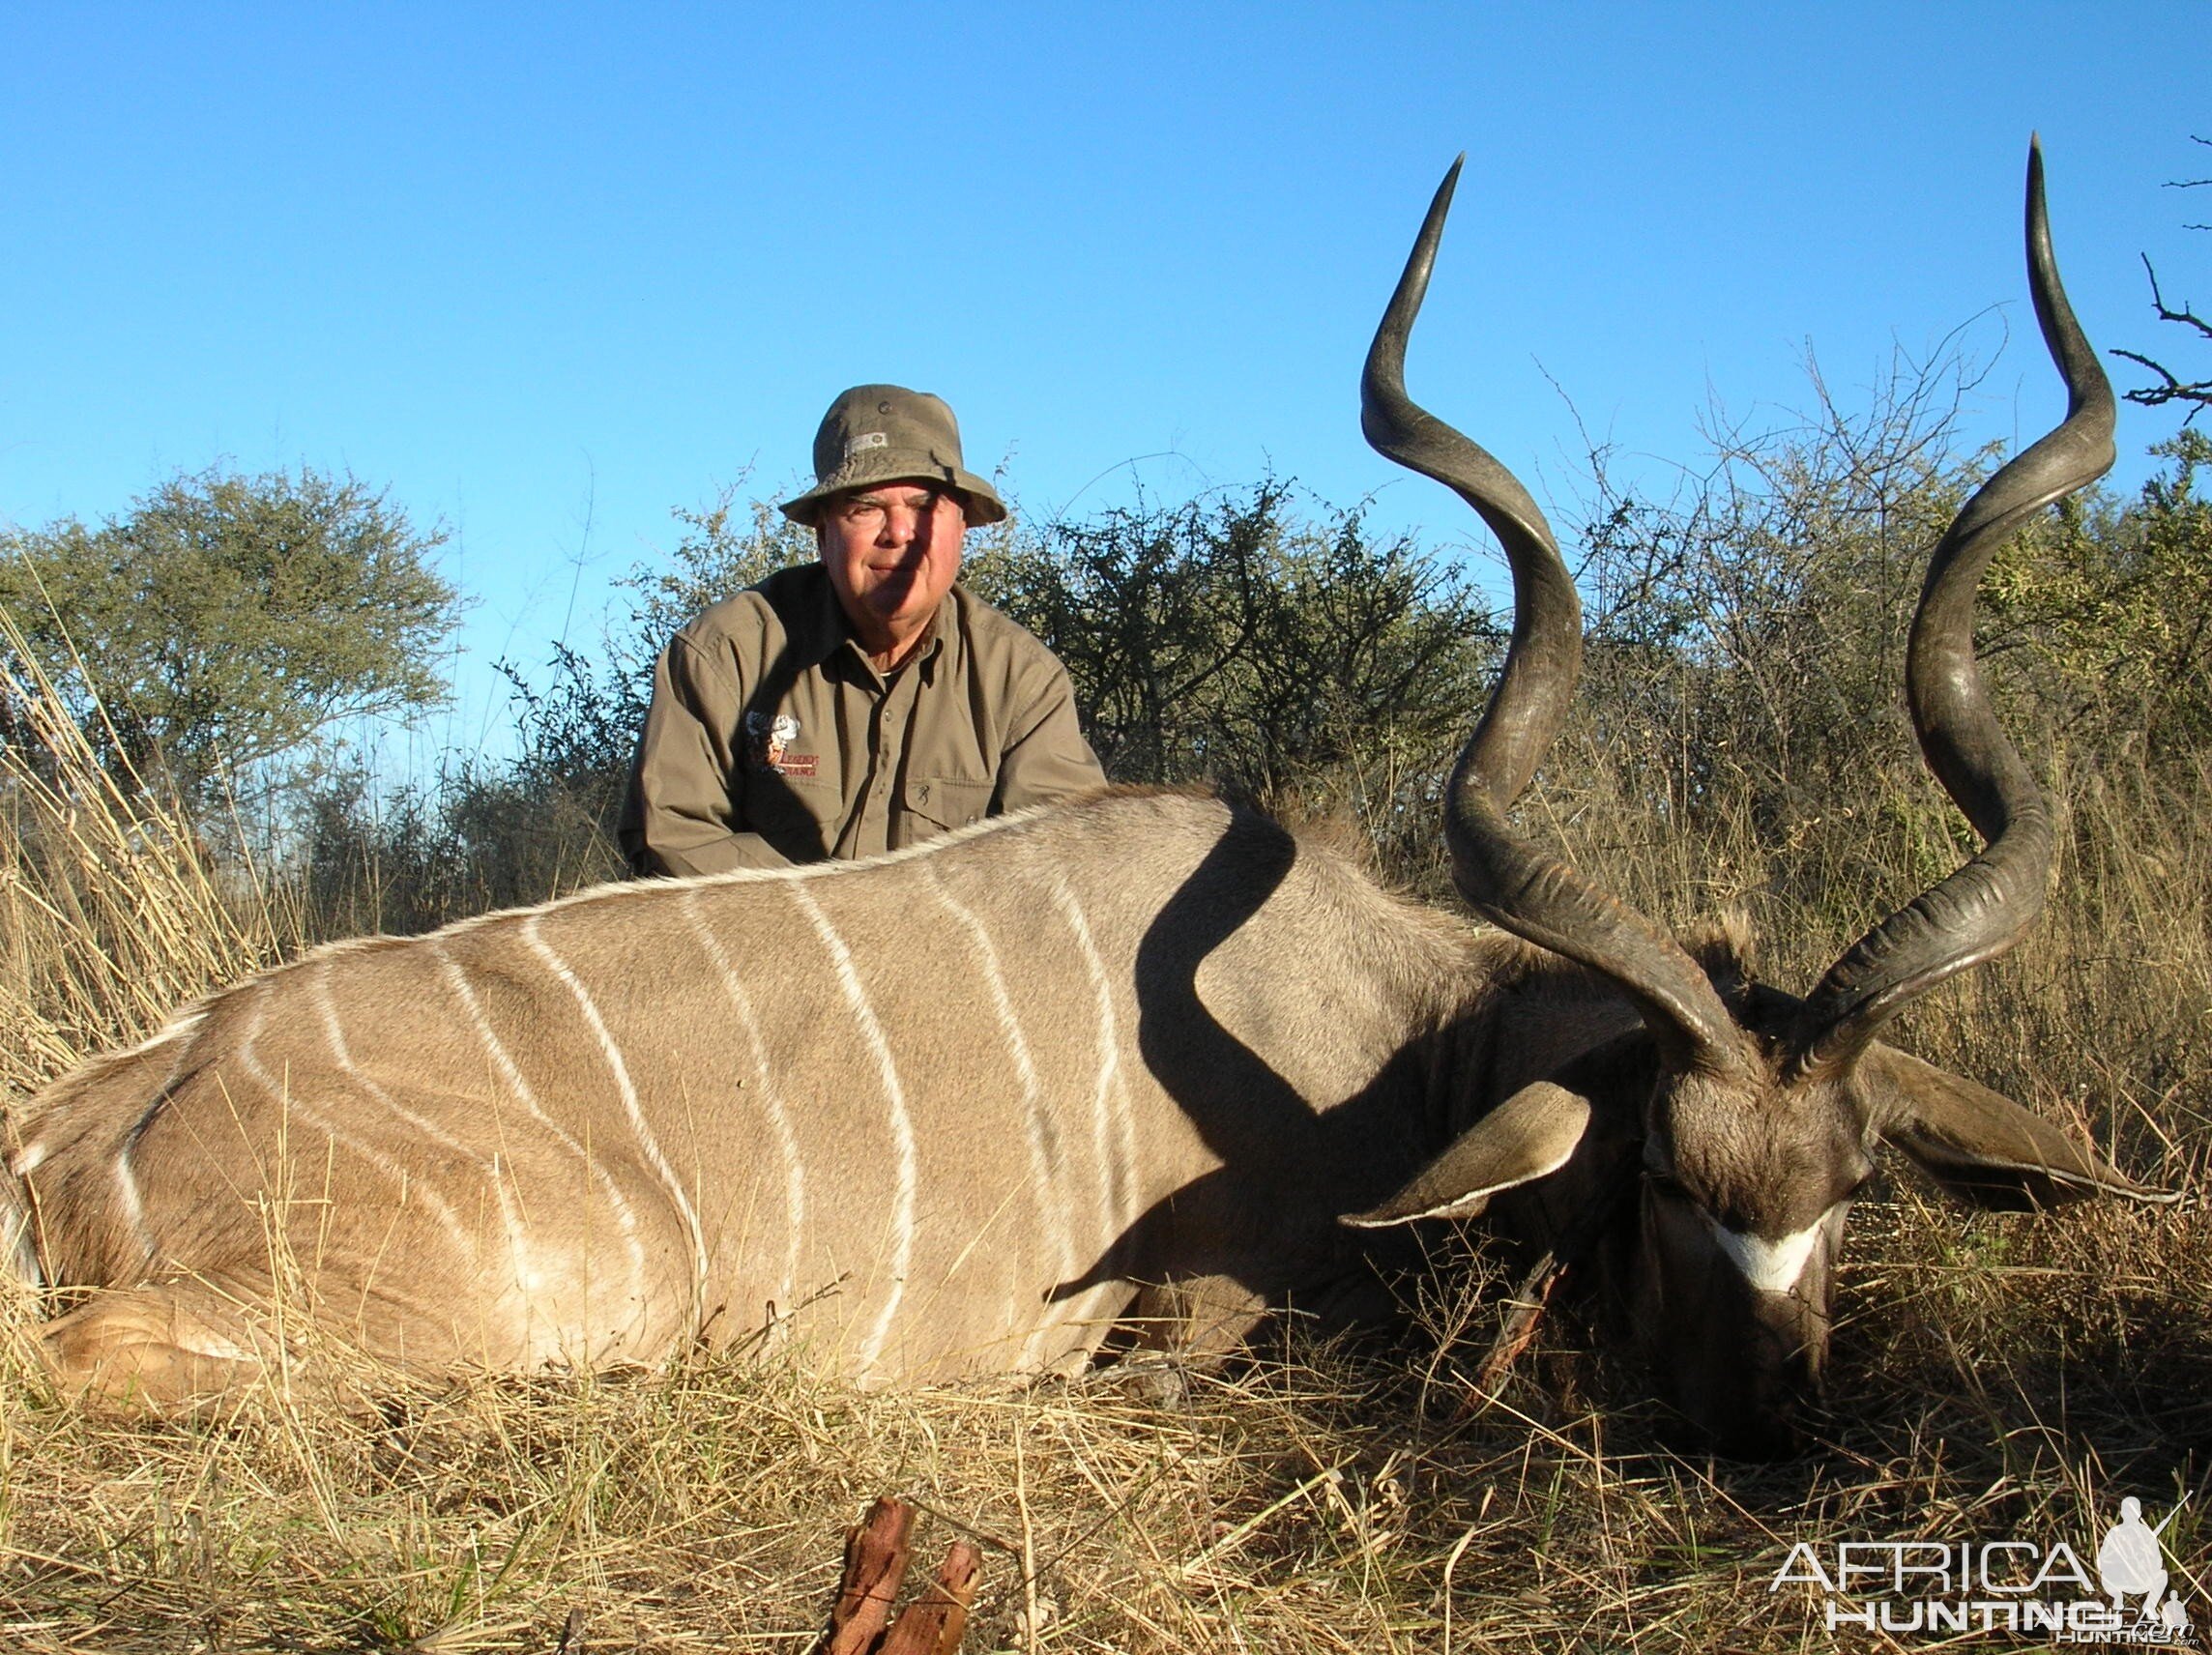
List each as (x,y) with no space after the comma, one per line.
(772,739)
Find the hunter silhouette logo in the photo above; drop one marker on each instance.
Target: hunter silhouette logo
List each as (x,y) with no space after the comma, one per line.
(2021,1586)
(2131,1563)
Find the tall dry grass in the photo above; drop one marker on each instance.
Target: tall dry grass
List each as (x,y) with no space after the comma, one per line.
(1995,1376)
(112,908)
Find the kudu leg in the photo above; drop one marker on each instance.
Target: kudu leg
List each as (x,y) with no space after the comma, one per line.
(163,1349)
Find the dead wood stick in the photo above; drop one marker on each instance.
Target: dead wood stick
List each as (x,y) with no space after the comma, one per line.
(876,1556)
(934,1624)
(1529,1303)
(1533,1296)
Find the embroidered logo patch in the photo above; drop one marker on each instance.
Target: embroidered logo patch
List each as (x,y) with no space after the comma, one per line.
(767,745)
(866,440)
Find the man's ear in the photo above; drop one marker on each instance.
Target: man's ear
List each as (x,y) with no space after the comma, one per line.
(1982,1146)
(1532,1133)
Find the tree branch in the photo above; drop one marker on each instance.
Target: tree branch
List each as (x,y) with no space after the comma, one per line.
(2196,393)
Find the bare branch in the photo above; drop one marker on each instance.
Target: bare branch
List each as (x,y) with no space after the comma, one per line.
(2191,184)
(2196,393)
(2184,315)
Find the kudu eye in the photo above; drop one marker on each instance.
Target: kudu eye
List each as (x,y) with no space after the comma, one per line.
(1662,1181)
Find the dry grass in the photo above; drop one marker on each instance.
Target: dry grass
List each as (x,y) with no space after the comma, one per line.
(1995,1376)
(111,914)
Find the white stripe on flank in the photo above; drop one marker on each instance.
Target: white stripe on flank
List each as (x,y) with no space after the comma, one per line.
(1117,1163)
(901,1123)
(334,1033)
(526,1276)
(458,980)
(133,1205)
(1771,1266)
(391,1170)
(771,1099)
(126,1180)
(1044,1150)
(637,1122)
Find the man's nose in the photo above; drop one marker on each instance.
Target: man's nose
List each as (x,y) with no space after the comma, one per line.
(901,524)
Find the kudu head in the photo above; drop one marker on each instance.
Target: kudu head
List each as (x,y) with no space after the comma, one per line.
(1741,1120)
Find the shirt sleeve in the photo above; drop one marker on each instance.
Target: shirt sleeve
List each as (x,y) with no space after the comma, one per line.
(1047,758)
(685,810)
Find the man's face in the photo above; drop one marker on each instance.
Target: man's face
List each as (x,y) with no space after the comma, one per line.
(892,552)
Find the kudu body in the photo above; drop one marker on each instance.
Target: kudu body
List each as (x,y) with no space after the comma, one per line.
(968,1107)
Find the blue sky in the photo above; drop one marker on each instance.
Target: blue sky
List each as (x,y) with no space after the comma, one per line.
(546,273)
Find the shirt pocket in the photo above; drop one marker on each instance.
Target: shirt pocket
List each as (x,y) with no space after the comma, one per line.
(938,804)
(798,818)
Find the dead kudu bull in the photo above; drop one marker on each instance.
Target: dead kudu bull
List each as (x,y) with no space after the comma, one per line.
(965,1109)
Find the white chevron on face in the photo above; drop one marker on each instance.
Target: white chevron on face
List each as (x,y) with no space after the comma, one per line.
(1771,1266)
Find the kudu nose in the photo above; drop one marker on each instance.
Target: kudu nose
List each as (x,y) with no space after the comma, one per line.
(1748,1394)
(1764,1420)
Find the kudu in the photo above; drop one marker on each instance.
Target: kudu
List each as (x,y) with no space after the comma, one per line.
(969,1107)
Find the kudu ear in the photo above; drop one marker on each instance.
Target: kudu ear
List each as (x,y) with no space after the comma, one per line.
(1982,1146)
(1532,1133)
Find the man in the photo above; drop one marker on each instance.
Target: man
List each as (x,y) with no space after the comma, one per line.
(863,703)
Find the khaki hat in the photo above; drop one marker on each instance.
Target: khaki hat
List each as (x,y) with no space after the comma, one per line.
(887,433)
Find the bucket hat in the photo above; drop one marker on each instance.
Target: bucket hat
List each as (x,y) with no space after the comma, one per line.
(887,433)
